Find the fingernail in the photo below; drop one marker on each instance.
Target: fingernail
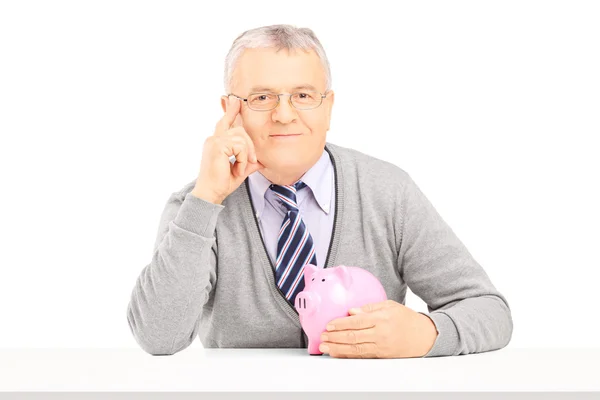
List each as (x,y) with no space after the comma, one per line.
(329,327)
(324,338)
(324,348)
(355,310)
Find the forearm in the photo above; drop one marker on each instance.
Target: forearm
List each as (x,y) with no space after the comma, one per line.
(470,314)
(472,325)
(170,292)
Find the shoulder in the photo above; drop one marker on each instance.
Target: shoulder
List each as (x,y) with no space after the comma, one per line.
(368,171)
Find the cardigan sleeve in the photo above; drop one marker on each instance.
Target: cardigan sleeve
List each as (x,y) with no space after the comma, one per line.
(469,313)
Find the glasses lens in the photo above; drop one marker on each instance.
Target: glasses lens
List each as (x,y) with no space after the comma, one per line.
(262,101)
(306,100)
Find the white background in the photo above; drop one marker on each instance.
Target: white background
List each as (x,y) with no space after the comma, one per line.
(492,107)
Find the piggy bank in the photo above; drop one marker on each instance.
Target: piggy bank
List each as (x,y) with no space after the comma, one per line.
(329,294)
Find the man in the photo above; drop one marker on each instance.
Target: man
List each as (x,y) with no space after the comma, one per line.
(232,244)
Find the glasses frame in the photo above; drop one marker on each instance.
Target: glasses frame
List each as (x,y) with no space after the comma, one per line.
(323,95)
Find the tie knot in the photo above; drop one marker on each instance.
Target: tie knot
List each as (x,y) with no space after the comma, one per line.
(287,194)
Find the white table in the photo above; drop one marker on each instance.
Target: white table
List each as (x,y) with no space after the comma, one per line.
(267,370)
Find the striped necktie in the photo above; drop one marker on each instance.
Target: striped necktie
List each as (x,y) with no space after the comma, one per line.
(295,247)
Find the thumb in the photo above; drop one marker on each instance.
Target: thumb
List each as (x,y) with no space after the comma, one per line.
(253,167)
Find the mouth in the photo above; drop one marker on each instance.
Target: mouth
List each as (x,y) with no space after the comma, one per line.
(286,135)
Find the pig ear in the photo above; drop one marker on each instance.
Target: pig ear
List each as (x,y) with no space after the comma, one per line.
(344,274)
(309,270)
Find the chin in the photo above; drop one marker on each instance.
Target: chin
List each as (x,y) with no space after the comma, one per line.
(285,164)
(292,159)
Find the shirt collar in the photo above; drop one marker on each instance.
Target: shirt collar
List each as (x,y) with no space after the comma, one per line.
(319,178)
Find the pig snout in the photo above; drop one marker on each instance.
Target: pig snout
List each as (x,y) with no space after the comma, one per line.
(307,303)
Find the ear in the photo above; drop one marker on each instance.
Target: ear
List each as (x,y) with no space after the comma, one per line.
(224,103)
(343,273)
(331,96)
(309,270)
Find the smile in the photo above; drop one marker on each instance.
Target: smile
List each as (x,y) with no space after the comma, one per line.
(286,136)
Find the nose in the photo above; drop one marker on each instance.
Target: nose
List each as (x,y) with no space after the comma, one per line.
(284,113)
(307,302)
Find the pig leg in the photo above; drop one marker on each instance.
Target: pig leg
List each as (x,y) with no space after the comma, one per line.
(313,347)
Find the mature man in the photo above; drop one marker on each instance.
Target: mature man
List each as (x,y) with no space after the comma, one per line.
(272,195)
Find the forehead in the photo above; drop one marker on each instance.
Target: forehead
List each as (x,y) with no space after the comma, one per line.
(266,68)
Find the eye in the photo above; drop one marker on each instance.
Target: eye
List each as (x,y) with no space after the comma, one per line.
(313,279)
(323,280)
(258,98)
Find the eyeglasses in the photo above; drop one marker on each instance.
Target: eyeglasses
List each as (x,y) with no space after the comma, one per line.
(306,100)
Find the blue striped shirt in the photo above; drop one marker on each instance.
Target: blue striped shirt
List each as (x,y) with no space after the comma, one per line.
(316,205)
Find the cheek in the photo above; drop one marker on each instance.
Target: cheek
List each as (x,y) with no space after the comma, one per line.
(316,123)
(338,293)
(257,128)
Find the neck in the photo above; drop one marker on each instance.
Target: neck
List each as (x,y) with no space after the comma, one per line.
(279,178)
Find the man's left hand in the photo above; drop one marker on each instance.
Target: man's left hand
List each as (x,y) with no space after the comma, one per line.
(380,330)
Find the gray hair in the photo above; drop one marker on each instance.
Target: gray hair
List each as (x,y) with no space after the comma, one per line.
(278,36)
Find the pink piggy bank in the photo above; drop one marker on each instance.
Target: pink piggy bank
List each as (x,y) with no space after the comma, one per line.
(329,294)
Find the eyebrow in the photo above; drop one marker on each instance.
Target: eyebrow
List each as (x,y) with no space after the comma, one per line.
(255,89)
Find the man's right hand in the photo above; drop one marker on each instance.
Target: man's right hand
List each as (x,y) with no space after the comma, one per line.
(218,178)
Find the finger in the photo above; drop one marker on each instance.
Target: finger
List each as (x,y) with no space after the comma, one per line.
(362,350)
(237,121)
(243,159)
(237,147)
(251,149)
(233,109)
(361,321)
(373,307)
(353,336)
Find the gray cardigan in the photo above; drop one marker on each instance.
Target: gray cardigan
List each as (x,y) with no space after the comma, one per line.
(210,275)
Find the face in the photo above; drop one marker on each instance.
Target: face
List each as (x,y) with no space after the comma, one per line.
(269,70)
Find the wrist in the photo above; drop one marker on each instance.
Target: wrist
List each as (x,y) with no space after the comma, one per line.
(207,196)
(430,334)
